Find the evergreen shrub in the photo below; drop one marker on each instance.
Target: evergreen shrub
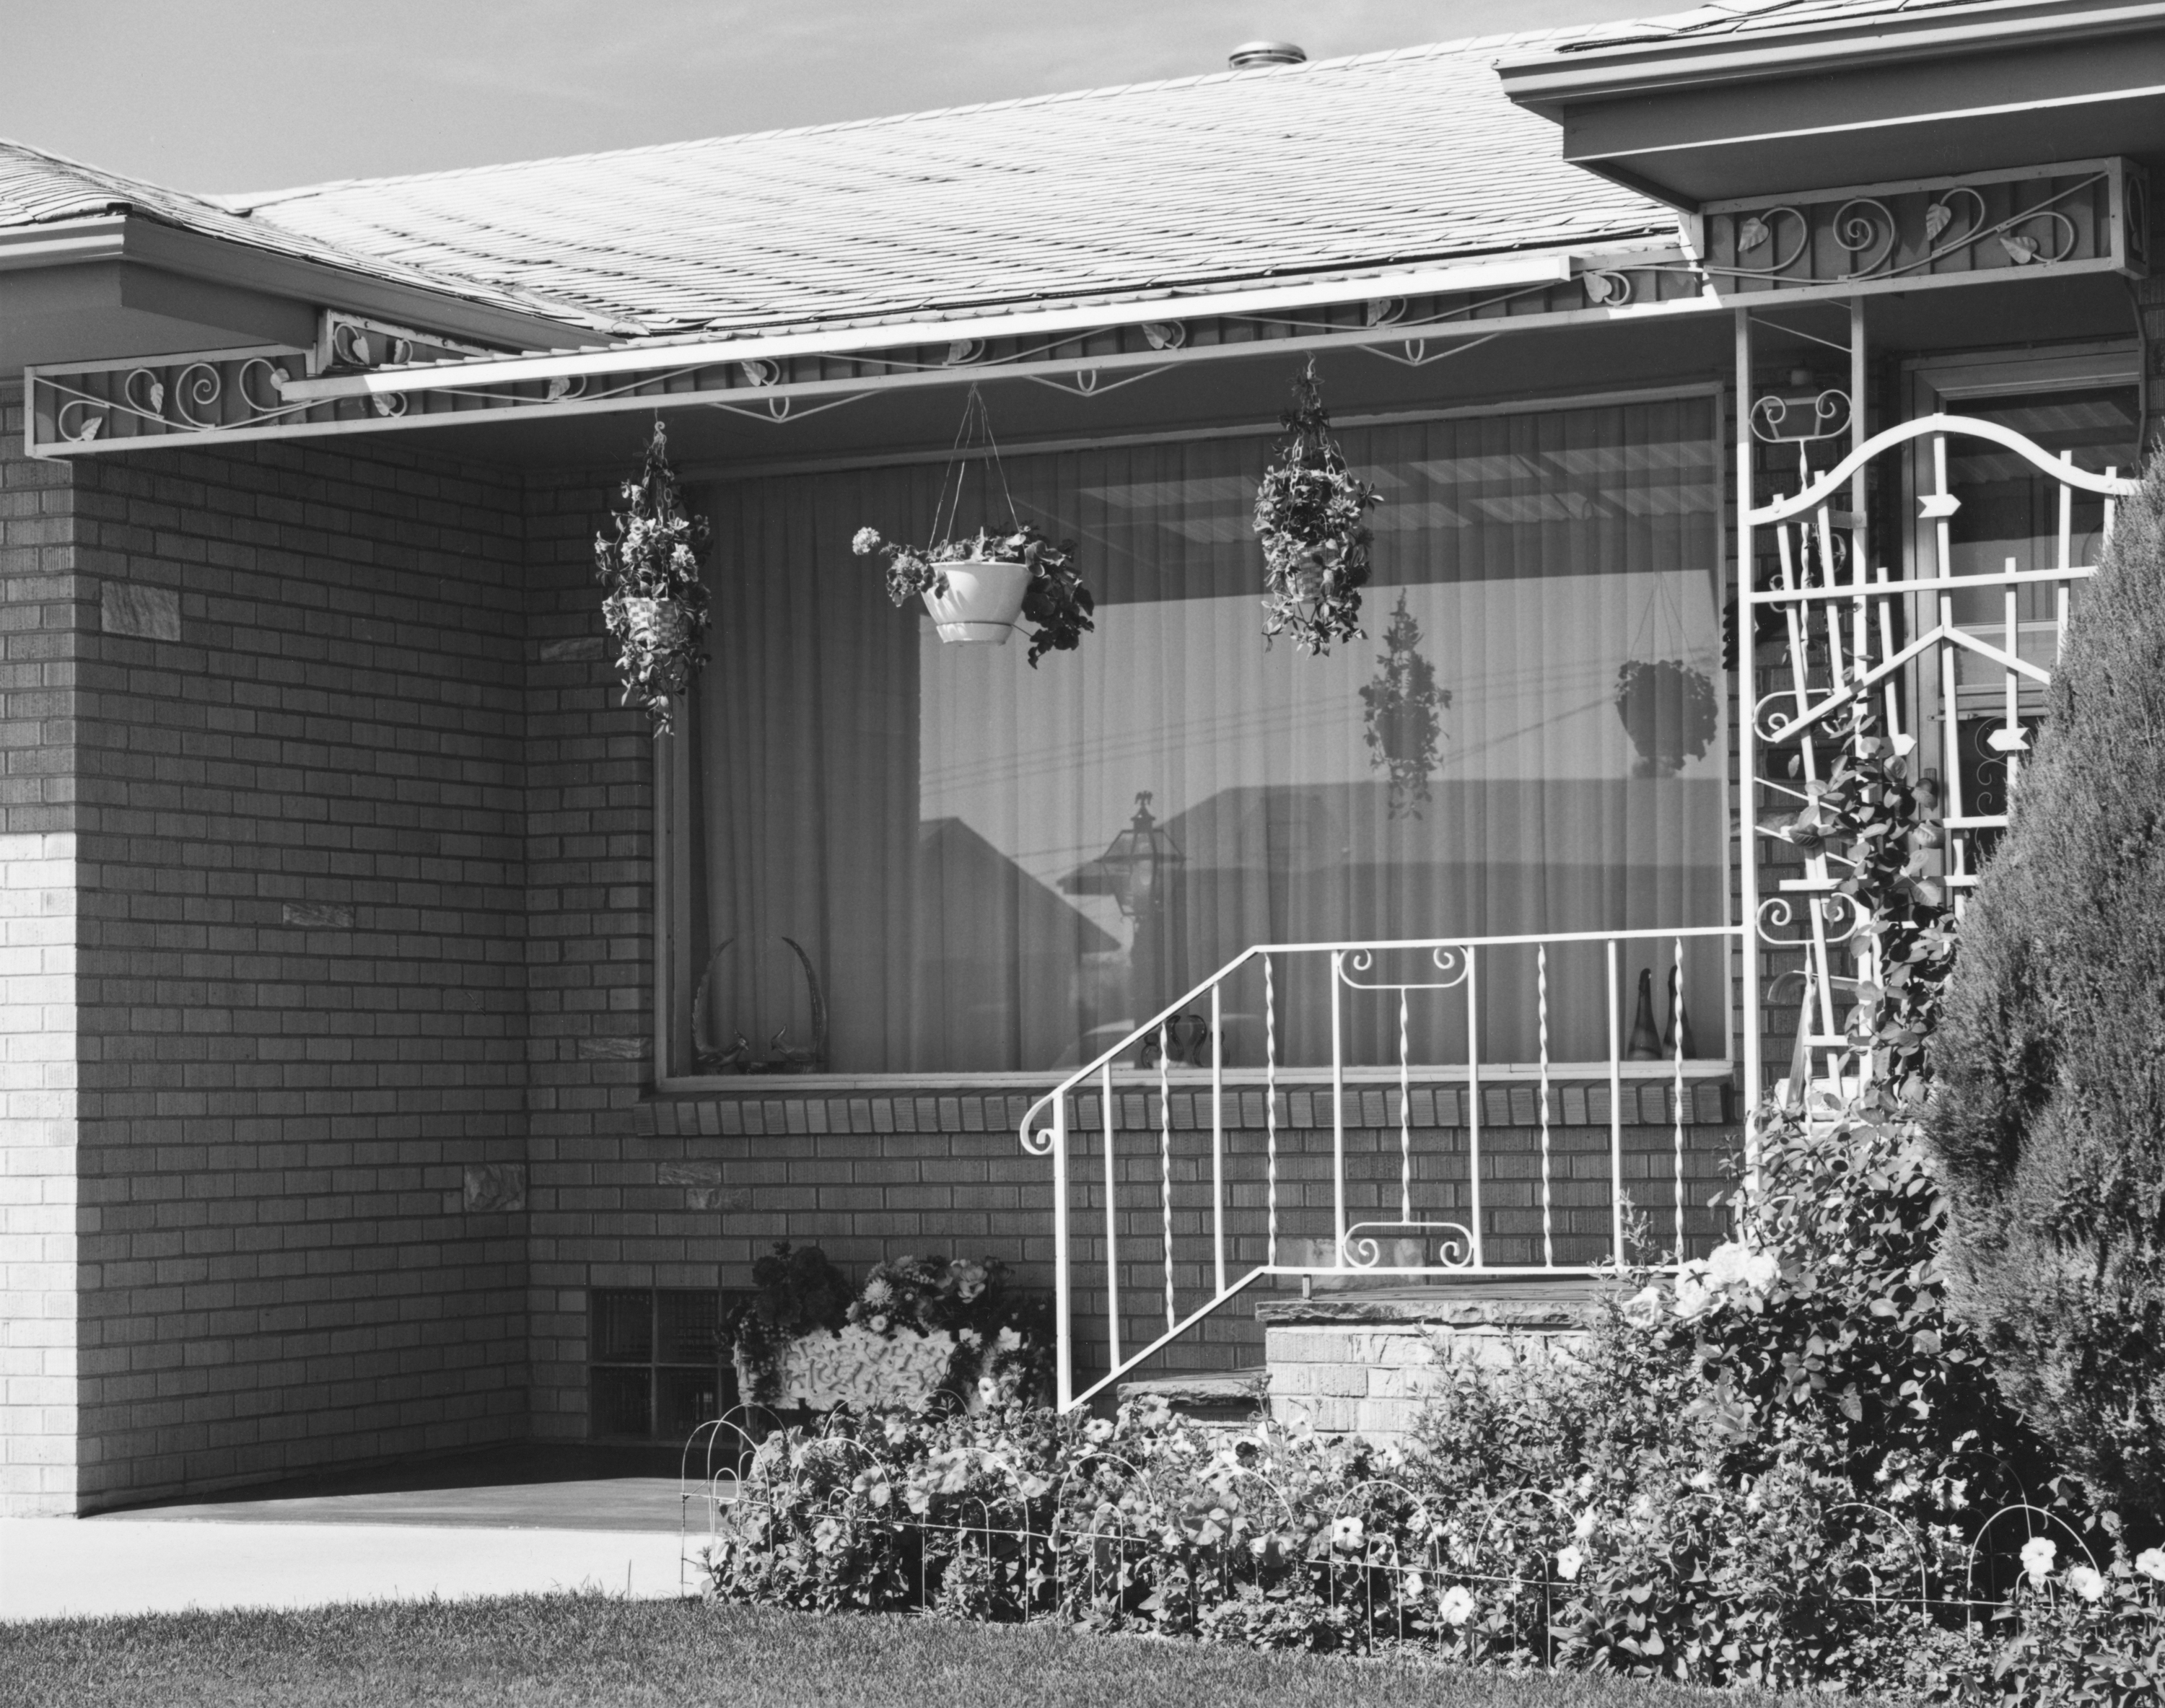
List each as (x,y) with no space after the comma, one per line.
(2049,1116)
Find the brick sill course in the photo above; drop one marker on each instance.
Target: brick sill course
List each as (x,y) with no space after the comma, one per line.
(768,1109)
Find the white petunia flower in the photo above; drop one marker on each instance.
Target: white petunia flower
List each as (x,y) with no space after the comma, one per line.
(1570,1563)
(2150,1563)
(2038,1556)
(1458,1606)
(2087,1582)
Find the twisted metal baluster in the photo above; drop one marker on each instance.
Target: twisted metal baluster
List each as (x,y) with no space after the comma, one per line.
(1165,1162)
(1112,1222)
(1677,1031)
(1271,1110)
(1541,1005)
(1405,1124)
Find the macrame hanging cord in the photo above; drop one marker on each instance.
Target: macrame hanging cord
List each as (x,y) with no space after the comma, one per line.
(973,443)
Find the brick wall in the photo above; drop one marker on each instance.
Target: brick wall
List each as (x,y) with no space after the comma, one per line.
(38,1095)
(301,985)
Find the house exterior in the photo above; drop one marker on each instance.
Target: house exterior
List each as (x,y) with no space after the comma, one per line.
(380,994)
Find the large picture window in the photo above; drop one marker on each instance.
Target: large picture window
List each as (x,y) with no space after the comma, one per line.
(993,868)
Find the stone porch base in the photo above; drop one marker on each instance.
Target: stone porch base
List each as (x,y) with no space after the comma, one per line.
(1366,1362)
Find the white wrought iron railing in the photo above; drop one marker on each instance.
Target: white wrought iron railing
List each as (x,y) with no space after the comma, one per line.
(1166,1225)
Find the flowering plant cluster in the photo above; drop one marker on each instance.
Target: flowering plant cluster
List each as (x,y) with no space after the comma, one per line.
(797,1293)
(2081,1635)
(1003,1338)
(1311,514)
(1057,602)
(654,601)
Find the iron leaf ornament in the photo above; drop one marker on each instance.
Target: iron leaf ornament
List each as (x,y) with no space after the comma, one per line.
(1311,514)
(653,600)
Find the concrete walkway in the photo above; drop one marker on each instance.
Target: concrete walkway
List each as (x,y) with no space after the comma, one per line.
(513,1521)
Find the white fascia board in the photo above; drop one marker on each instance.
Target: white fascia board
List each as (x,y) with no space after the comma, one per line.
(1663,64)
(63,243)
(1551,267)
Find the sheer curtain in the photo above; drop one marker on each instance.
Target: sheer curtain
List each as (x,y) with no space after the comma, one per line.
(1540,748)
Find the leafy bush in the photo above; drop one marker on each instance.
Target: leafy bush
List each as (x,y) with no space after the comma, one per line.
(2049,1113)
(2081,1636)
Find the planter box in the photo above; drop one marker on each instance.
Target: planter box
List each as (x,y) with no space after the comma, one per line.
(860,1369)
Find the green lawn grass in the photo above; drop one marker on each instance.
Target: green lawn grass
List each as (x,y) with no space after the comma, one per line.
(598,1653)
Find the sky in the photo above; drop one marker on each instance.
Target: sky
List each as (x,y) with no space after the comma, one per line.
(241,95)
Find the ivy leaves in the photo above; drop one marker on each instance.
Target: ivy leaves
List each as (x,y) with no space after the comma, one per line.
(1311,515)
(1874,816)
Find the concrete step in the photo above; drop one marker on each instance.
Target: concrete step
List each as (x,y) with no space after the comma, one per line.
(1225,1398)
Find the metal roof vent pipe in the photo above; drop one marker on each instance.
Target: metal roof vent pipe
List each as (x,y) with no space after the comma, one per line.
(1254,55)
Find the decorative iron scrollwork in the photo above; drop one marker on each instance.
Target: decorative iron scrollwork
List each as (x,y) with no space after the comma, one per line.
(1828,418)
(1361,1249)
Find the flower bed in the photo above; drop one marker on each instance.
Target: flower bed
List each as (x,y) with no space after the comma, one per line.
(1789,1467)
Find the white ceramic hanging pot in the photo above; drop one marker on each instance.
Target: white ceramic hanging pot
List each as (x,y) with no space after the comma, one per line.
(982,602)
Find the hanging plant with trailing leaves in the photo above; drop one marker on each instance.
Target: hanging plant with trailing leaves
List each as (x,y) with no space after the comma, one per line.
(980,587)
(1311,514)
(1404,719)
(1055,600)
(653,600)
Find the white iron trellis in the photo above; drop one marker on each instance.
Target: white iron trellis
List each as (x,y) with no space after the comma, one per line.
(1844,626)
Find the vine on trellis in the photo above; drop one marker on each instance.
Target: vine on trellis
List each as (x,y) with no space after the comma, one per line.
(1890,823)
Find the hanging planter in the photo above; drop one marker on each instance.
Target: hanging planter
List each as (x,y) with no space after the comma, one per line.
(1669,710)
(654,602)
(1309,512)
(1404,714)
(980,588)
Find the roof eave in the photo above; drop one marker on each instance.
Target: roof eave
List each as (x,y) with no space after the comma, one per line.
(1551,82)
(2000,83)
(145,240)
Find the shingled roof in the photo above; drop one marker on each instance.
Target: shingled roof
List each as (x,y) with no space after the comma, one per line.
(1322,169)
(1337,165)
